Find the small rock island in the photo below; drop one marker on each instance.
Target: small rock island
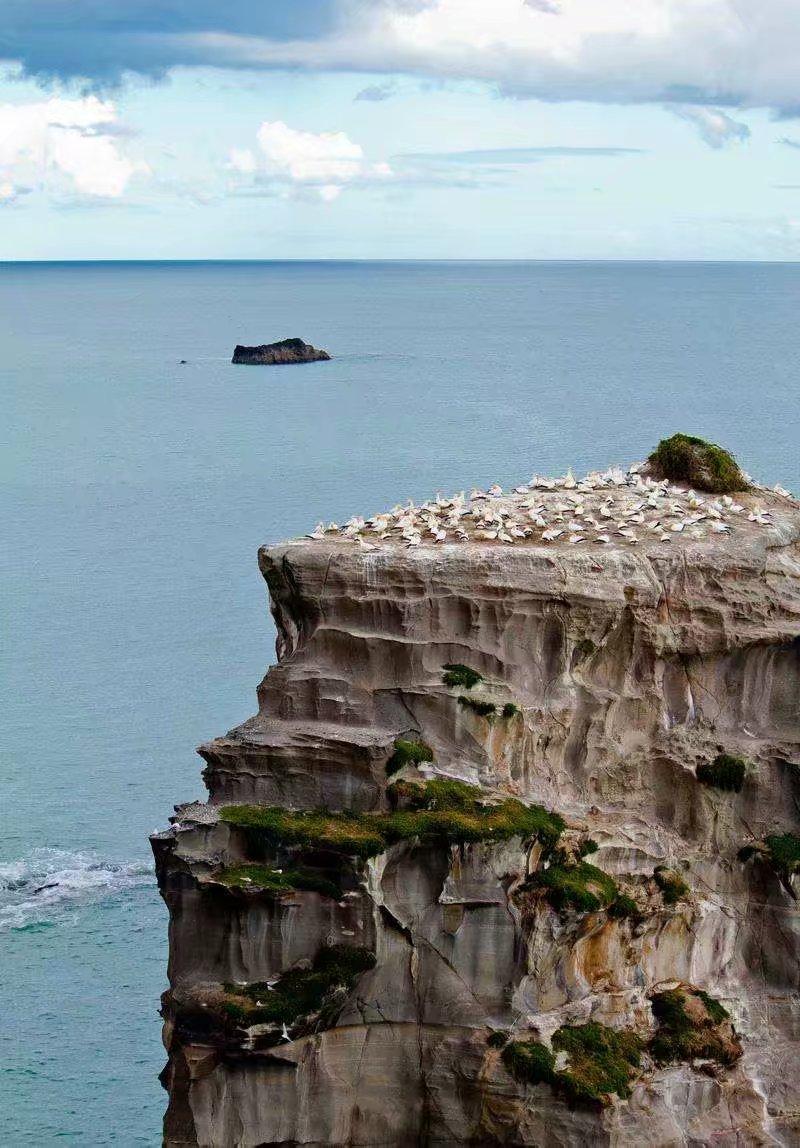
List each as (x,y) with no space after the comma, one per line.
(279,354)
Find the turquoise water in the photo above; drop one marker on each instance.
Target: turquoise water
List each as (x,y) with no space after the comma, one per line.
(136,492)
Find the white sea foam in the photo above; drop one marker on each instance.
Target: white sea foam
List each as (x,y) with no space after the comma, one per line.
(41,887)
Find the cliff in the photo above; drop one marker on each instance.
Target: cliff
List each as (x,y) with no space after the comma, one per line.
(508,854)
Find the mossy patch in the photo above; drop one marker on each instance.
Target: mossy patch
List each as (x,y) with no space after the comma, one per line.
(298,992)
(482,709)
(673,887)
(456,675)
(440,811)
(510,709)
(497,1039)
(601,1062)
(623,908)
(691,1024)
(585,648)
(582,887)
(408,752)
(780,850)
(701,464)
(724,772)
(277,881)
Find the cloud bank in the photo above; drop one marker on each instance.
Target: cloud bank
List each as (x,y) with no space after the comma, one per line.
(716,52)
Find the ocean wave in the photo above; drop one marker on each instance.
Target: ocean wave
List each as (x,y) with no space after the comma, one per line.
(41,887)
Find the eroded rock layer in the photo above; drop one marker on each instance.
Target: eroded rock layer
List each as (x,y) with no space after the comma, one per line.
(423,964)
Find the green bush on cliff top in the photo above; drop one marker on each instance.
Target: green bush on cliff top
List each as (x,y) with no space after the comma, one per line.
(685,1035)
(408,753)
(444,811)
(582,887)
(701,464)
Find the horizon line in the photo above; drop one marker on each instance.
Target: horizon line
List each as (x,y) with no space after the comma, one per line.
(400,261)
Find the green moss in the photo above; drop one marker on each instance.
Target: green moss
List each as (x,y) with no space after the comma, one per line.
(408,753)
(623,907)
(701,464)
(582,887)
(781,851)
(587,846)
(440,811)
(529,1061)
(482,709)
(724,772)
(672,886)
(262,877)
(681,1036)
(602,1061)
(298,992)
(457,675)
(510,709)
(497,1039)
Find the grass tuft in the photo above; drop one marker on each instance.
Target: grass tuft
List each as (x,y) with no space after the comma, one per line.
(482,709)
(724,772)
(408,753)
(510,709)
(457,675)
(690,1025)
(673,887)
(582,887)
(601,1061)
(529,1061)
(623,907)
(701,464)
(497,1039)
(780,850)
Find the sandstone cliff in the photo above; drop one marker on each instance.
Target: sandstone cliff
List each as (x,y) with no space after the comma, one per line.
(567,948)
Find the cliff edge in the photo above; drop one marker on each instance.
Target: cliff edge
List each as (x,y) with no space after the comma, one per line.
(508,854)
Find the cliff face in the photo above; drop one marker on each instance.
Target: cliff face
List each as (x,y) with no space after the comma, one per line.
(615,673)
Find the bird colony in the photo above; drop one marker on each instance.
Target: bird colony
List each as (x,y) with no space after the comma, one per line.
(613,507)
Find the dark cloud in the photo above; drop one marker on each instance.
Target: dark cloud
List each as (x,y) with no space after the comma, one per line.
(376,93)
(787,142)
(103,39)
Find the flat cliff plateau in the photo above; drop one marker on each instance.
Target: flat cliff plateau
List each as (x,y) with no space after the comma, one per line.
(508,854)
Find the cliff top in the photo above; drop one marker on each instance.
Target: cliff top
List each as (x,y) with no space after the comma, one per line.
(613,508)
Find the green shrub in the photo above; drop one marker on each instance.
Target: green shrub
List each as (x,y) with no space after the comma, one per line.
(724,772)
(587,846)
(299,992)
(582,886)
(623,907)
(529,1061)
(673,887)
(602,1061)
(482,709)
(440,811)
(585,648)
(408,753)
(510,709)
(457,675)
(497,1039)
(262,877)
(701,464)
(681,1036)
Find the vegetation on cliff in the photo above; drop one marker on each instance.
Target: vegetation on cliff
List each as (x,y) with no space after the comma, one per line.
(440,811)
(298,992)
(455,675)
(724,772)
(263,878)
(408,753)
(703,465)
(601,1061)
(780,850)
(673,887)
(692,1025)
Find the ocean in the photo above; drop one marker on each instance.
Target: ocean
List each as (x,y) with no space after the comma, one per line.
(136,491)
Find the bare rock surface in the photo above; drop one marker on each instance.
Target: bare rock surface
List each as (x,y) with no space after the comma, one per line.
(614,668)
(283,353)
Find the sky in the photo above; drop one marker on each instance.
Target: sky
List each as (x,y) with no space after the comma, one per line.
(394,129)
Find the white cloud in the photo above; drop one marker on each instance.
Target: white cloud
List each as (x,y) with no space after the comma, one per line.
(65,146)
(321,163)
(715,127)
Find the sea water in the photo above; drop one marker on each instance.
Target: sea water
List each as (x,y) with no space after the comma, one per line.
(136,490)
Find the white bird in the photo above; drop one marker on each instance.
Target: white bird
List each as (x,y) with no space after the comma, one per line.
(285,1032)
(551,535)
(495,490)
